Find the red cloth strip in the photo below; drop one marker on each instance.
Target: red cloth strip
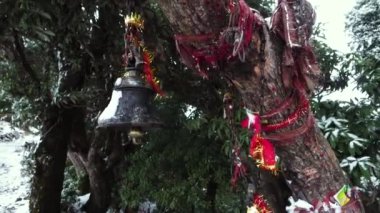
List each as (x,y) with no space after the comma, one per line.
(205,52)
(301,110)
(285,104)
(149,77)
(284,138)
(260,149)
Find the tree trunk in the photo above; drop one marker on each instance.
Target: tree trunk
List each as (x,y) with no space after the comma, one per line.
(50,159)
(308,163)
(100,197)
(59,121)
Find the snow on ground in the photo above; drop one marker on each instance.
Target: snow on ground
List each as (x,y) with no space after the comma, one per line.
(13,186)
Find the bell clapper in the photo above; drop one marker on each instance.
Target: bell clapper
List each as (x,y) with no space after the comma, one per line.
(135,134)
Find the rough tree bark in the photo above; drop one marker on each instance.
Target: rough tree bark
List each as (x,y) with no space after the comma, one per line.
(50,156)
(308,163)
(50,159)
(98,174)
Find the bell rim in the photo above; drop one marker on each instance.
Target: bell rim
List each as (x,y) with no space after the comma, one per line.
(128,125)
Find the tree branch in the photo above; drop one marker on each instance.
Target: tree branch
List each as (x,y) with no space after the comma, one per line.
(196,17)
(19,46)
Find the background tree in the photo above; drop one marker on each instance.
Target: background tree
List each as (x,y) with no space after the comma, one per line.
(363,24)
(360,118)
(352,127)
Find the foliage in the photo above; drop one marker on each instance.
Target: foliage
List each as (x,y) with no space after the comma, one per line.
(363,22)
(351,130)
(344,142)
(5,102)
(333,77)
(364,26)
(183,164)
(72,184)
(352,127)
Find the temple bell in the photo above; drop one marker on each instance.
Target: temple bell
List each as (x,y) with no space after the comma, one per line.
(130,108)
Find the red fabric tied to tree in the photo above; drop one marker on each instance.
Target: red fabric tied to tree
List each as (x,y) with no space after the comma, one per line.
(260,148)
(240,170)
(302,109)
(263,151)
(259,205)
(208,51)
(201,58)
(148,72)
(293,22)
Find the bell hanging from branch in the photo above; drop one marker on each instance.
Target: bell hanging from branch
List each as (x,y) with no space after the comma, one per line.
(130,107)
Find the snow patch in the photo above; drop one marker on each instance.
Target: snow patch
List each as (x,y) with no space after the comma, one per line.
(148,207)
(298,206)
(303,206)
(118,82)
(370,184)
(80,202)
(110,110)
(8,133)
(14,186)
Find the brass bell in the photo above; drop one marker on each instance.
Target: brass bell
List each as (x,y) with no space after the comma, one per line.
(130,107)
